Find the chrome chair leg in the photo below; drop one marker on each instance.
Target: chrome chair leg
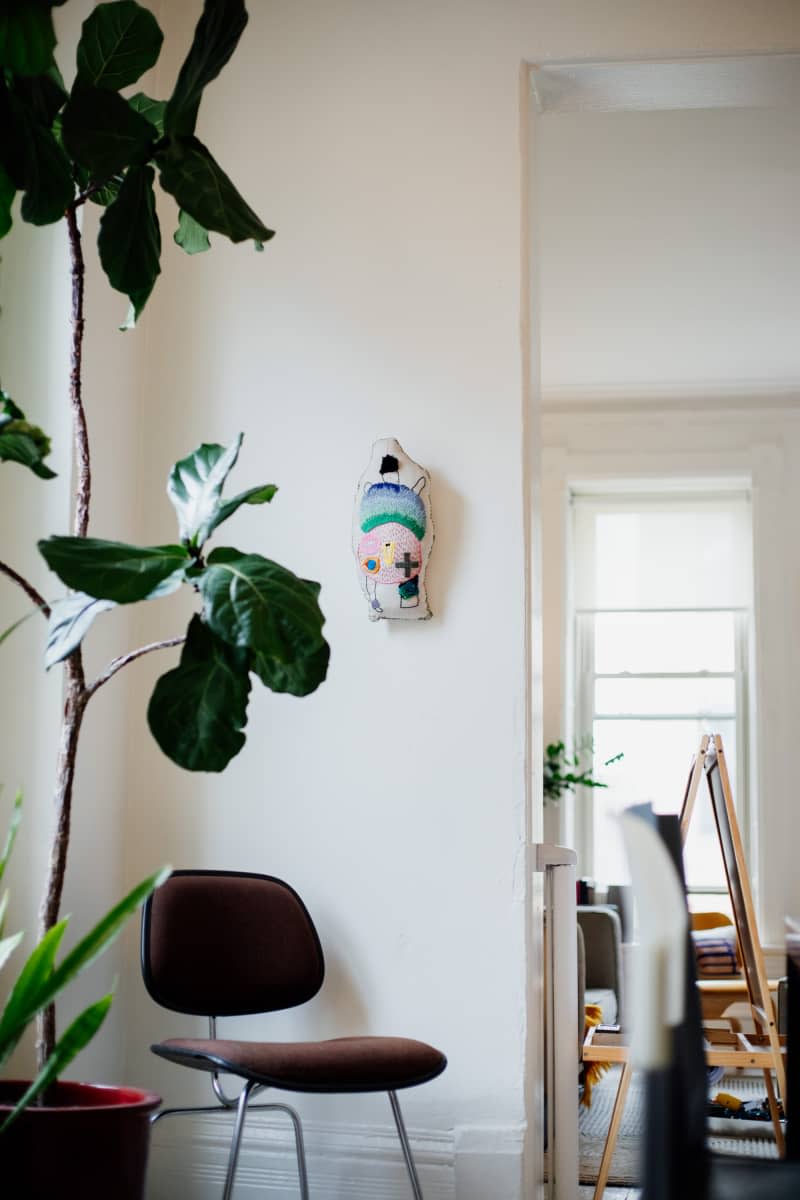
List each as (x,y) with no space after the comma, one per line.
(299,1146)
(224,1110)
(404,1142)
(236,1141)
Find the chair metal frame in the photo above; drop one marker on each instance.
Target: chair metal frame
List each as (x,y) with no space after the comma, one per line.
(241,1105)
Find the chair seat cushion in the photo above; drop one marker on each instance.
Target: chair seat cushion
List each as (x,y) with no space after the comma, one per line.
(349,1064)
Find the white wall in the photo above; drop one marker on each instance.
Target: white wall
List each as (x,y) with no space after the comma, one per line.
(670,254)
(394,798)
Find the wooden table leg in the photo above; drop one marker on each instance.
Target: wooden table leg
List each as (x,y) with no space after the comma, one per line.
(613,1130)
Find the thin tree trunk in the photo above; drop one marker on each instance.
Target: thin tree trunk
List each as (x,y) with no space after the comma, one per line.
(76,696)
(74,708)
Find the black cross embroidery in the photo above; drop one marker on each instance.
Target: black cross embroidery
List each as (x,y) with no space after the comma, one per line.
(407,565)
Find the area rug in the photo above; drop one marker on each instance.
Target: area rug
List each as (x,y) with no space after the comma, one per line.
(593,1126)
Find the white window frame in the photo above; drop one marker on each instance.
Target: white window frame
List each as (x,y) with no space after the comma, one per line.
(585,676)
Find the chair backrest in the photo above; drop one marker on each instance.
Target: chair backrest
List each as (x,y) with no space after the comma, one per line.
(227,943)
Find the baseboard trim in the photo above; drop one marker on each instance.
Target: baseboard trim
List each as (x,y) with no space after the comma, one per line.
(345,1162)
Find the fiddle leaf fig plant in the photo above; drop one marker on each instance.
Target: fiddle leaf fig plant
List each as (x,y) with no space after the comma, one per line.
(61,148)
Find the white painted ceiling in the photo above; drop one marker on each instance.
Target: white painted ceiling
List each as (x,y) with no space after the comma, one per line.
(669,247)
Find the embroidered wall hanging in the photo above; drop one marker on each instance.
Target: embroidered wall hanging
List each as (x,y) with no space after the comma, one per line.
(393,533)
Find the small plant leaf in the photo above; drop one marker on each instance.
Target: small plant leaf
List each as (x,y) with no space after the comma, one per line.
(298,678)
(115,570)
(104,932)
(215,39)
(8,944)
(153,110)
(72,1041)
(11,836)
(129,242)
(198,710)
(103,133)
(137,303)
(119,42)
(27,37)
(105,195)
(195,486)
(255,603)
(255,495)
(202,189)
(22,442)
(7,194)
(21,621)
(190,236)
(40,982)
(70,621)
(33,983)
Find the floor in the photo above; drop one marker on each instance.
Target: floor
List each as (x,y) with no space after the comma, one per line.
(611,1193)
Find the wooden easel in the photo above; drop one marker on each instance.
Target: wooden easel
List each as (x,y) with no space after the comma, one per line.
(725,1048)
(710,761)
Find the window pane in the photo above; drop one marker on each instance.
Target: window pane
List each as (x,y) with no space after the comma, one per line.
(641,642)
(662,554)
(645,697)
(654,769)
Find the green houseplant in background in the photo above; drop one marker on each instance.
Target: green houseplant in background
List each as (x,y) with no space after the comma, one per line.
(565,771)
(61,149)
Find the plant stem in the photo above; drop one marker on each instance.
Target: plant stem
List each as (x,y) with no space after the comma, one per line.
(76,697)
(117,664)
(83,487)
(28,588)
(74,708)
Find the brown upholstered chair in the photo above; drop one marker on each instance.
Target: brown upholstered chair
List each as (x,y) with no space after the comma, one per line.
(227,943)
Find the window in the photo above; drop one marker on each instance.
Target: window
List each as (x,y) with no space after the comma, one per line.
(661,594)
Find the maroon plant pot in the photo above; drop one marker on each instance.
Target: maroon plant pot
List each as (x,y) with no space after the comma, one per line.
(89,1142)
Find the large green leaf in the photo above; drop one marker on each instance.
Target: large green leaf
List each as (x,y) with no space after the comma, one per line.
(195,485)
(11,836)
(27,36)
(298,678)
(129,242)
(43,94)
(40,167)
(153,110)
(253,602)
(190,236)
(76,1036)
(103,133)
(215,39)
(70,621)
(198,710)
(119,42)
(202,189)
(7,193)
(115,570)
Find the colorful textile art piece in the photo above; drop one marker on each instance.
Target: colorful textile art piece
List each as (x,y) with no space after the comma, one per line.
(393,533)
